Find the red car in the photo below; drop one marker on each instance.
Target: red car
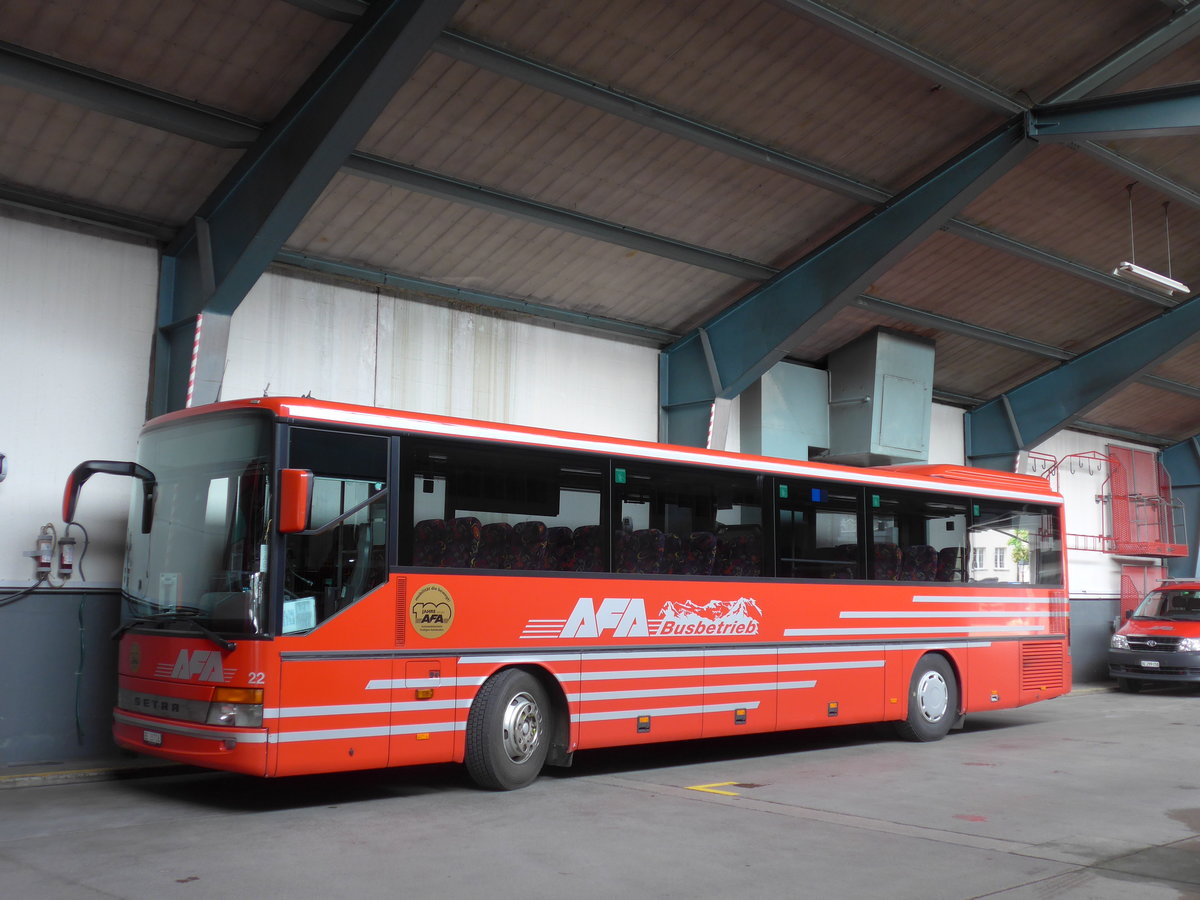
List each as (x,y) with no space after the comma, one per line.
(1160,640)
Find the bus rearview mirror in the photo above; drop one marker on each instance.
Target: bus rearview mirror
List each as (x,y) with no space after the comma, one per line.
(295,500)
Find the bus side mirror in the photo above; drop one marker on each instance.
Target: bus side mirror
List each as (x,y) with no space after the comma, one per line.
(295,500)
(1129,614)
(86,470)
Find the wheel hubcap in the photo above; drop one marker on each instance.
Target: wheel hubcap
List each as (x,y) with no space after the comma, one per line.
(933,696)
(522,727)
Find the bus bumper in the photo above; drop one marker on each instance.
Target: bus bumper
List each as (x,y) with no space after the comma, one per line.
(230,749)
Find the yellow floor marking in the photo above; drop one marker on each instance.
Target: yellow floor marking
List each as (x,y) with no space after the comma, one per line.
(708,788)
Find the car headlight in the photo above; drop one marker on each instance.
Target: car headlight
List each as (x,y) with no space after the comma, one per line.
(1189,644)
(1118,642)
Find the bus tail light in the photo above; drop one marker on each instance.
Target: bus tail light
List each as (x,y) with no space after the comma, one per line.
(239,707)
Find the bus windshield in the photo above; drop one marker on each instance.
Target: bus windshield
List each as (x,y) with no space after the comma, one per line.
(205,559)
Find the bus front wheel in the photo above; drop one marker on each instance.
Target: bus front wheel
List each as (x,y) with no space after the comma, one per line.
(932,700)
(508,731)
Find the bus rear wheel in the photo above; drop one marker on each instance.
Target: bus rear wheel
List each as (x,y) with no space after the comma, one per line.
(932,701)
(508,731)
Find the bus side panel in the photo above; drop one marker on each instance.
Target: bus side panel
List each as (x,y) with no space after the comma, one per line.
(830,688)
(640,698)
(740,691)
(994,677)
(333,715)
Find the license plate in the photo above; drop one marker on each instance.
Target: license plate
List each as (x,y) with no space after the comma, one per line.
(154,738)
(1149,663)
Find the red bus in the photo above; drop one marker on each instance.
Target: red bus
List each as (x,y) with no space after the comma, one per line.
(314,587)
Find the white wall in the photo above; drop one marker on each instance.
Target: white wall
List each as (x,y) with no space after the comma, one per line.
(294,334)
(76,322)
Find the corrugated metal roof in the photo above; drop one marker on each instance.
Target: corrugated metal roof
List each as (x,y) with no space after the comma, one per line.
(618,158)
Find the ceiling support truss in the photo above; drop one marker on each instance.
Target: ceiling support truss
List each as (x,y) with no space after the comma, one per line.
(212,264)
(999,430)
(740,344)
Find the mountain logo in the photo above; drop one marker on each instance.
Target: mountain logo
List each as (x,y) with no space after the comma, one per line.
(717,617)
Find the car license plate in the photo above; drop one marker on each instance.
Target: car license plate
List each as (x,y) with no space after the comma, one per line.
(1149,663)
(154,738)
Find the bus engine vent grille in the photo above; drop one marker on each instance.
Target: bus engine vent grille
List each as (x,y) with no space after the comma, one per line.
(401,610)
(1041,665)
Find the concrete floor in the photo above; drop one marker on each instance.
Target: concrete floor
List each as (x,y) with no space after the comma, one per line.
(1095,795)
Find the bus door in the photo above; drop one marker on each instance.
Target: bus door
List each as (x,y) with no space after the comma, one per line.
(424,711)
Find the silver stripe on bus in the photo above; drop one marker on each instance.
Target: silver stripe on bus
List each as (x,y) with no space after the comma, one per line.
(645,693)
(242,737)
(340,734)
(360,709)
(966,598)
(392,684)
(664,711)
(942,614)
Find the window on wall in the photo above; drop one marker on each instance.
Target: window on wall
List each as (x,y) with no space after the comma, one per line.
(817,534)
(500,507)
(673,520)
(1015,543)
(345,555)
(916,537)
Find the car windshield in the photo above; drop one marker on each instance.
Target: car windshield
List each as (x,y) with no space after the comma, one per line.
(1170,604)
(205,559)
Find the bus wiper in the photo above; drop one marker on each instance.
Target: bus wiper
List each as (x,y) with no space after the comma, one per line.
(182,614)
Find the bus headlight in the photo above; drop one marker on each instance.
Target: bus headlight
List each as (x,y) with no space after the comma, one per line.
(236,707)
(1118,642)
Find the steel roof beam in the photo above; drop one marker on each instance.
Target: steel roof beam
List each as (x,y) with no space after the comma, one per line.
(437,185)
(209,268)
(556,81)
(875,40)
(740,344)
(999,338)
(1007,245)
(1022,418)
(1161,112)
(78,211)
(122,99)
(1135,58)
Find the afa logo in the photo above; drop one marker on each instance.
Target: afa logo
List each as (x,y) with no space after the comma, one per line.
(432,611)
(196,665)
(626,617)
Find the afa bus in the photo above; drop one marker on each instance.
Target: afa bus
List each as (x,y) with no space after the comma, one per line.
(317,587)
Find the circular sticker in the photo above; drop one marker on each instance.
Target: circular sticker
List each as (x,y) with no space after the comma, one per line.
(432,611)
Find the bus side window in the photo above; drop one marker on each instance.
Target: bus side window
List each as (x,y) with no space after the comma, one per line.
(817,534)
(347,557)
(489,507)
(1015,542)
(917,537)
(688,521)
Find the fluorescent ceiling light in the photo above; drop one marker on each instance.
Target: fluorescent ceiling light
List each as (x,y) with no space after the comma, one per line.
(1132,272)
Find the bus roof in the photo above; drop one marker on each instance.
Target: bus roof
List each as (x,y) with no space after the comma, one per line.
(940,477)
